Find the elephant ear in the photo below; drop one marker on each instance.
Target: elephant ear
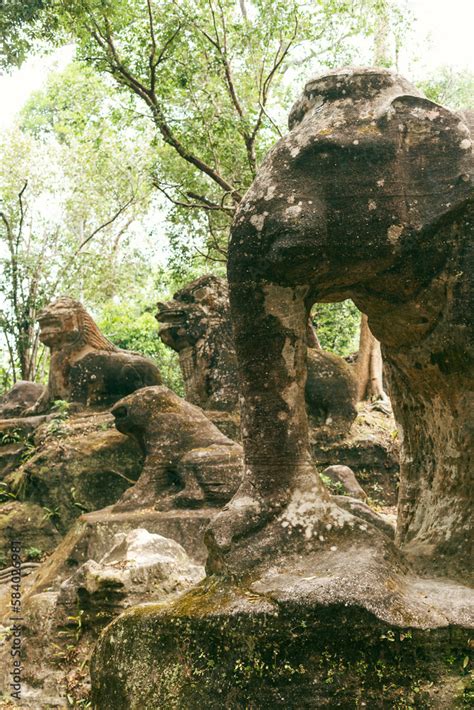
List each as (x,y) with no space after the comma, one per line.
(434,155)
(423,124)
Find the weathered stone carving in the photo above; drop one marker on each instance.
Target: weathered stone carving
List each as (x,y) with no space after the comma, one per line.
(189,462)
(370,196)
(19,398)
(330,394)
(85,366)
(197,325)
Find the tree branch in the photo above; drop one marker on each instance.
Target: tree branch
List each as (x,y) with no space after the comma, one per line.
(203,204)
(124,76)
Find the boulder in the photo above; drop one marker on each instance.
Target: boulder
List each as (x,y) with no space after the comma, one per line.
(345,477)
(140,566)
(22,395)
(77,465)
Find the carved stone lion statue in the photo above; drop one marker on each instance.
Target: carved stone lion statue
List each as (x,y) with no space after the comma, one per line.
(197,325)
(189,462)
(86,367)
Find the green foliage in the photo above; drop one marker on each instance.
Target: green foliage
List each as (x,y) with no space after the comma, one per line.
(132,328)
(52,514)
(15,17)
(335,487)
(33,554)
(337,326)
(14,436)
(6,494)
(74,189)
(188,96)
(450,87)
(216,78)
(61,409)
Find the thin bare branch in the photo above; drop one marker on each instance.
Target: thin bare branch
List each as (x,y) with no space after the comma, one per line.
(203,204)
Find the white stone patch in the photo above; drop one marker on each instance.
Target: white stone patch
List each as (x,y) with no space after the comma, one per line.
(270,192)
(372,205)
(286,304)
(293,211)
(381,182)
(356,142)
(465,144)
(394,233)
(138,561)
(258,220)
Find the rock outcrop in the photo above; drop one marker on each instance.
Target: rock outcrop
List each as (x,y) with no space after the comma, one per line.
(19,398)
(140,566)
(57,468)
(63,616)
(345,477)
(369,197)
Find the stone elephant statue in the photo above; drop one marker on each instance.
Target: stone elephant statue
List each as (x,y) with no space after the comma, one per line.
(368,197)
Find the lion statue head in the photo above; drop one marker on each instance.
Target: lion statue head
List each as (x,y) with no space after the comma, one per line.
(66,322)
(197,325)
(198,308)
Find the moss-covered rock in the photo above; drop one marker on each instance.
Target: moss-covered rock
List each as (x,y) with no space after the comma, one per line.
(77,465)
(27,523)
(222,648)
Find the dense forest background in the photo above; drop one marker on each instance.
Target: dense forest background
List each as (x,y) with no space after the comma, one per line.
(119,179)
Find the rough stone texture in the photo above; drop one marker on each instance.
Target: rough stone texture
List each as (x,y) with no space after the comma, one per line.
(189,462)
(60,615)
(76,465)
(346,478)
(359,508)
(368,197)
(85,366)
(197,325)
(16,441)
(27,523)
(20,429)
(22,395)
(330,394)
(140,566)
(308,604)
(371,449)
(225,648)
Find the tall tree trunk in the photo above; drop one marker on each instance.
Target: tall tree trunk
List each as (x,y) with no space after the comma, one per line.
(369,365)
(381,43)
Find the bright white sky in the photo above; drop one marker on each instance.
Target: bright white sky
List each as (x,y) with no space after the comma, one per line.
(443,34)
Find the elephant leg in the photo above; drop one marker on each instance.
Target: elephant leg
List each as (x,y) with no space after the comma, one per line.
(270,324)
